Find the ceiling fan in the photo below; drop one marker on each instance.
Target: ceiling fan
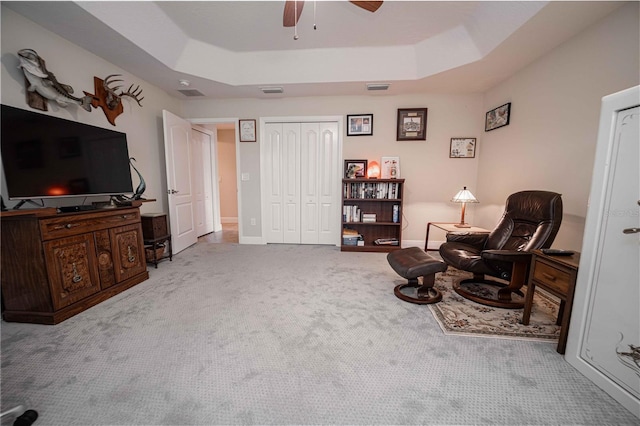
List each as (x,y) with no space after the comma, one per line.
(292,10)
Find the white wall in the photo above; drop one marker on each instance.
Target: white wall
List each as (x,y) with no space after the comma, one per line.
(432,177)
(76,67)
(550,142)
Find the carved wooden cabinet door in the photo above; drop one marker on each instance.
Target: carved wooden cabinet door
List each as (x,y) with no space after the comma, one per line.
(73,272)
(128,251)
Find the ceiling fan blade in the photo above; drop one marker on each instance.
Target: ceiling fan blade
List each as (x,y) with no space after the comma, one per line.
(289,18)
(371,6)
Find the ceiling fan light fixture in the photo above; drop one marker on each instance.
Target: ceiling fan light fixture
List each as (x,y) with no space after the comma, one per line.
(271,90)
(378,86)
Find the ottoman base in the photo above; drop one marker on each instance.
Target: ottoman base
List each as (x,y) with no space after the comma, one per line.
(411,263)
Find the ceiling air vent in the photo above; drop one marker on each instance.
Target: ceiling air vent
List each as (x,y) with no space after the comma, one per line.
(378,86)
(270,90)
(190,92)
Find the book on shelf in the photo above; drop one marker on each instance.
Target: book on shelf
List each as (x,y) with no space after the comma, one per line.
(368,217)
(348,232)
(372,190)
(351,214)
(396,213)
(386,242)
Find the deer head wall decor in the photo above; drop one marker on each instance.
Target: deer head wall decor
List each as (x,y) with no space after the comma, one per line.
(110,98)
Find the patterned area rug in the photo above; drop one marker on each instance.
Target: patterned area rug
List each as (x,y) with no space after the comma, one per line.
(457,315)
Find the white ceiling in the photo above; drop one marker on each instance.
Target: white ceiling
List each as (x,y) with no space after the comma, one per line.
(229,49)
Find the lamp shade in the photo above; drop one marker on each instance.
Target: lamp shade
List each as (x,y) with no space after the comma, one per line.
(464,196)
(373,170)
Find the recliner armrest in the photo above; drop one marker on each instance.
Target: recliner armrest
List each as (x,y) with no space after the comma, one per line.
(474,239)
(514,256)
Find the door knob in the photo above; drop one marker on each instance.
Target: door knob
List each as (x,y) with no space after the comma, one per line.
(631,231)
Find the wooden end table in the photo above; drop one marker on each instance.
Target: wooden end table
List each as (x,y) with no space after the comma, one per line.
(450,227)
(557,275)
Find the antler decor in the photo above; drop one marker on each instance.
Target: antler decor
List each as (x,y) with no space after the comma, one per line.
(110,98)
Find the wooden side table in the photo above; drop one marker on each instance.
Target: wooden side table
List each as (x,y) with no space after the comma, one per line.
(450,227)
(156,237)
(557,275)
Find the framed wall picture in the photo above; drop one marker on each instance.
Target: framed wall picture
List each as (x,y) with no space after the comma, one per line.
(247,130)
(355,169)
(497,117)
(462,148)
(412,124)
(360,125)
(390,167)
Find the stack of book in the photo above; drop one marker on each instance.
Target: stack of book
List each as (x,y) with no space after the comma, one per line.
(350,237)
(386,242)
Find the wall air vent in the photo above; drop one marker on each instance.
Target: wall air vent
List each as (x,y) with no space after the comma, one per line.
(270,90)
(190,92)
(378,86)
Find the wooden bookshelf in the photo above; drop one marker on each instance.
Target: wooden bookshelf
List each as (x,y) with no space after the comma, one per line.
(380,197)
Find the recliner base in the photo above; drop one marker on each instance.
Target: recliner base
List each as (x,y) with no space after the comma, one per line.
(504,299)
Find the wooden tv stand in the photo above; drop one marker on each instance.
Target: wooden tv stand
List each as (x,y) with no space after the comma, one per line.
(55,266)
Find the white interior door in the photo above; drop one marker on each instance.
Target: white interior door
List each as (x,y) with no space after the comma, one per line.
(290,176)
(197,174)
(177,146)
(272,152)
(605,327)
(301,171)
(201,141)
(208,159)
(329,184)
(310,173)
(320,183)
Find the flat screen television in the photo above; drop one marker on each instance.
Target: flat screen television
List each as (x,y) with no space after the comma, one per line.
(45,157)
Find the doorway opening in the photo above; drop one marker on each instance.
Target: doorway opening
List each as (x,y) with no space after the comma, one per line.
(223,177)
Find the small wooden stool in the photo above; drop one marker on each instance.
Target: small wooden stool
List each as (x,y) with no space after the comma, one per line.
(411,263)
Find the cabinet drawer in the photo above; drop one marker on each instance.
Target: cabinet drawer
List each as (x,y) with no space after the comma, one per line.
(551,277)
(73,225)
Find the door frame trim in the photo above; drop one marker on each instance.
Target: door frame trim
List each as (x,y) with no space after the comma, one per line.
(291,119)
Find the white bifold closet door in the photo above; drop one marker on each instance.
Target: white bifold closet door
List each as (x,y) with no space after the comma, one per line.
(302,162)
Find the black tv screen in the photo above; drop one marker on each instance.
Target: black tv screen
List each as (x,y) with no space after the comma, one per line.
(45,156)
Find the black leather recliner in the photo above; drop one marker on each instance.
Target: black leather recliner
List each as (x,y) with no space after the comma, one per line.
(530,221)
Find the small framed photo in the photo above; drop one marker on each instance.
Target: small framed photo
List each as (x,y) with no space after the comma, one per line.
(462,148)
(497,117)
(360,125)
(390,168)
(355,169)
(247,130)
(412,124)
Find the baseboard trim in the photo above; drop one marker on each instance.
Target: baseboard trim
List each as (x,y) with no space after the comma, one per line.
(251,240)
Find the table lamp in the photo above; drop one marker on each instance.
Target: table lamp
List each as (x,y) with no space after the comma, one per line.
(463,196)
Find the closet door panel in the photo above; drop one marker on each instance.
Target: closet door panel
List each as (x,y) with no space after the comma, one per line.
(291,182)
(309,182)
(274,194)
(329,184)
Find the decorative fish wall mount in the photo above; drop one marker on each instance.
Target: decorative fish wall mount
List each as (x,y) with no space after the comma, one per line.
(43,84)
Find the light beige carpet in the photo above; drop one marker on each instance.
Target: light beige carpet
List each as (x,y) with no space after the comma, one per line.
(457,315)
